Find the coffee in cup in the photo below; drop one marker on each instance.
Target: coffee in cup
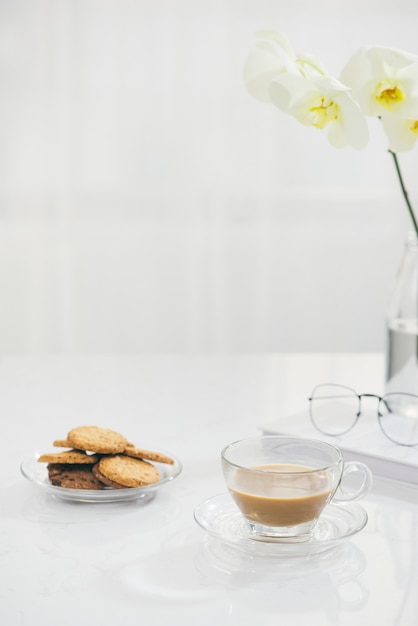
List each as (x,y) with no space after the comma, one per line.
(282,484)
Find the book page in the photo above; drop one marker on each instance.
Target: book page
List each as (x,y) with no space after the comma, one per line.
(365,442)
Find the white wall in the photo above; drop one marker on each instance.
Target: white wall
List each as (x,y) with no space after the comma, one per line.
(148,203)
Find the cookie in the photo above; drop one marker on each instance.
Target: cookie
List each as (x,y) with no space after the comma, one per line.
(97,439)
(62,443)
(70,457)
(147,455)
(128,471)
(104,480)
(73,476)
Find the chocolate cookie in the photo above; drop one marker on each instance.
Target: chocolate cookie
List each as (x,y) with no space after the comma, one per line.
(73,476)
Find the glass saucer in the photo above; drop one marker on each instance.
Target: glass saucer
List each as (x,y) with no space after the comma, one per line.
(220,517)
(37,474)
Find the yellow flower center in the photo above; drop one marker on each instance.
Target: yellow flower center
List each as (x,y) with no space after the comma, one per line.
(323,112)
(389,96)
(414,127)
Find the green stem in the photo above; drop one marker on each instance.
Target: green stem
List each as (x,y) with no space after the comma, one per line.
(404,191)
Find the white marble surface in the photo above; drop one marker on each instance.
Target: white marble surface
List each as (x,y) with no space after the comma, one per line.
(68,563)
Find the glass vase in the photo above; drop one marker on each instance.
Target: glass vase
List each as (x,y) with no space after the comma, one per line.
(402,324)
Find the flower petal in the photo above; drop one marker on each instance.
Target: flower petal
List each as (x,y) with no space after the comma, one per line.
(323,103)
(271,56)
(402,133)
(278,38)
(309,66)
(383,80)
(351,128)
(288,89)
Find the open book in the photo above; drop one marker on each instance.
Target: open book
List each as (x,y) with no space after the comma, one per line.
(365,443)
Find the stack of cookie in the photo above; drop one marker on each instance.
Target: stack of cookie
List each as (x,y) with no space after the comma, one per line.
(101,458)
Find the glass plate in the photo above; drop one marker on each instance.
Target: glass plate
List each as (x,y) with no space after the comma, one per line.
(220,517)
(37,473)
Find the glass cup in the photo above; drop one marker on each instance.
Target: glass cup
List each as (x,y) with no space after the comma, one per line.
(282,484)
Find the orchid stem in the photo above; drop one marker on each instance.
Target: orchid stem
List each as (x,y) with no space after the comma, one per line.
(404,191)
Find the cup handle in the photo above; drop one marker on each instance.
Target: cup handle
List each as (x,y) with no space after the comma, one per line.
(345,495)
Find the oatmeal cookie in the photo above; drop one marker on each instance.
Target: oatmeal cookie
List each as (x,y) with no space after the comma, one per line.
(128,471)
(61,443)
(70,457)
(147,455)
(104,480)
(97,439)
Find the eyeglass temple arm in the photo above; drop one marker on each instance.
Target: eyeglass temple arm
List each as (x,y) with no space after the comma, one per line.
(360,396)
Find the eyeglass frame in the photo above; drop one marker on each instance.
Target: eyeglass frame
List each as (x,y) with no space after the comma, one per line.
(357,415)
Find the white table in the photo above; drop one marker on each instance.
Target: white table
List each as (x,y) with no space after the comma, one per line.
(127,564)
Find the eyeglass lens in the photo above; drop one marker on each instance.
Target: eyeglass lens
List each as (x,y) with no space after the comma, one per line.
(334,410)
(399,418)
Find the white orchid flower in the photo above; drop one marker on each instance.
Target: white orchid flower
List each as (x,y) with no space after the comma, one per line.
(272,56)
(376,81)
(383,80)
(324,103)
(402,133)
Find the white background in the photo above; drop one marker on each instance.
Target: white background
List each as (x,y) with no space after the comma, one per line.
(148,203)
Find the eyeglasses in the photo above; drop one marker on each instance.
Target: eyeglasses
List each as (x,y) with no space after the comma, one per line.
(335,409)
